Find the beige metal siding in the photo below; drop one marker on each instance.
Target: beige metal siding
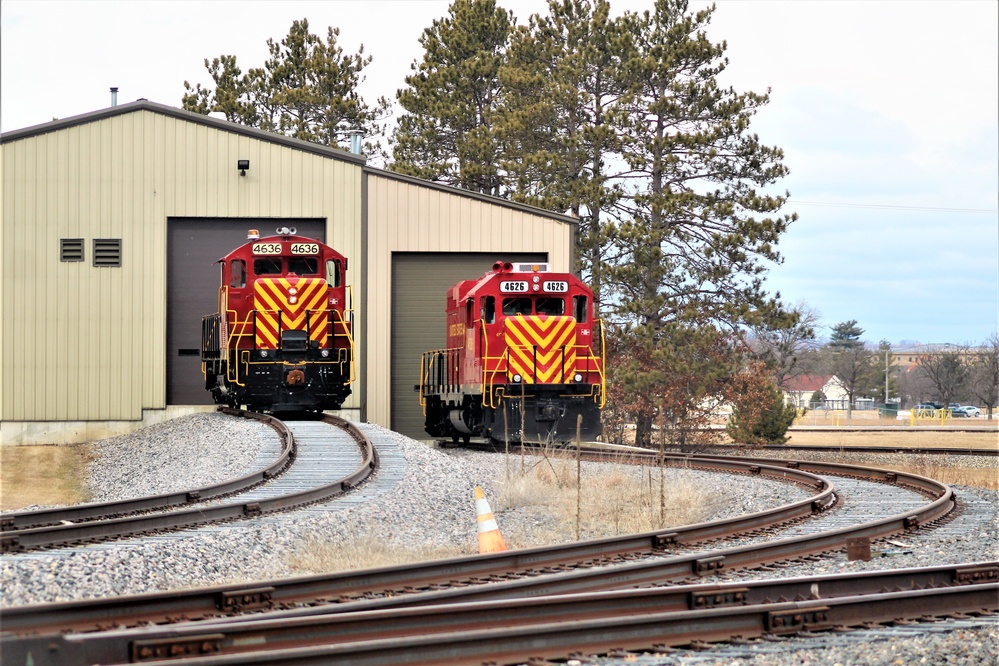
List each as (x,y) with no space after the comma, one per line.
(404,216)
(87,343)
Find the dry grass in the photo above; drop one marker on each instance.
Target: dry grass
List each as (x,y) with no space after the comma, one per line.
(613,500)
(43,475)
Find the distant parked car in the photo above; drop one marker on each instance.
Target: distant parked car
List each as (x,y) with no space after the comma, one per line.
(958,412)
(925,409)
(970,410)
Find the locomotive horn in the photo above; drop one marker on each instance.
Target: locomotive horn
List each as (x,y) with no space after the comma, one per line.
(286,231)
(498,266)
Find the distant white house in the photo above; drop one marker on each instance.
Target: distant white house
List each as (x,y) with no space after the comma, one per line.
(798,390)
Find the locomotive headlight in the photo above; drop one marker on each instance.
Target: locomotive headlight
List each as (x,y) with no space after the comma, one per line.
(536,279)
(293,299)
(536,287)
(292,291)
(263,353)
(577,378)
(517,378)
(325,353)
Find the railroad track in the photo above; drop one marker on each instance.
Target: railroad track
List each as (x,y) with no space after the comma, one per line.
(652,557)
(663,557)
(319,460)
(436,631)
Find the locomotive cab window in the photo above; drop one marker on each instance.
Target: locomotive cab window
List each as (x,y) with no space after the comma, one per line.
(267,267)
(303,266)
(237,273)
(579,308)
(516,306)
(489,309)
(550,306)
(333,272)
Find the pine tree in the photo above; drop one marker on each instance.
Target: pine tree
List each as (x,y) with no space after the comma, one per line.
(559,121)
(307,89)
(446,133)
(852,363)
(699,226)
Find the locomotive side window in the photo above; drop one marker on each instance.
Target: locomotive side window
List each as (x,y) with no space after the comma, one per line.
(333,272)
(489,309)
(303,265)
(516,306)
(267,267)
(549,306)
(237,273)
(579,308)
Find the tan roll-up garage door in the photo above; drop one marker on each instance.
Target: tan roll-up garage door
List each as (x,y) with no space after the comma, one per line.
(419,283)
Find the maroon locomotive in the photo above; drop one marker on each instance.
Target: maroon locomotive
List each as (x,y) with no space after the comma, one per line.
(281,338)
(523,362)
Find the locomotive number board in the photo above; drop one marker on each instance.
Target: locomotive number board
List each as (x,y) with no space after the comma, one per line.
(305,248)
(520,286)
(267,248)
(513,286)
(296,248)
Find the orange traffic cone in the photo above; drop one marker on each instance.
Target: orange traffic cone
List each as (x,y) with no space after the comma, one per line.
(490,539)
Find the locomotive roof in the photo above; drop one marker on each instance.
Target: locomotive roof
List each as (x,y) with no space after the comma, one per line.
(470,288)
(242,249)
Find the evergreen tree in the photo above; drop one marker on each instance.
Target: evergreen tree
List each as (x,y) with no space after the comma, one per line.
(307,89)
(694,227)
(559,122)
(699,227)
(764,420)
(852,363)
(446,133)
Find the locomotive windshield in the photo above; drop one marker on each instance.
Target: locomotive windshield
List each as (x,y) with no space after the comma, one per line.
(271,266)
(303,265)
(549,306)
(525,305)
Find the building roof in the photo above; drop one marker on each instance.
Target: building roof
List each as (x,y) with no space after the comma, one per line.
(190,116)
(803,383)
(272,137)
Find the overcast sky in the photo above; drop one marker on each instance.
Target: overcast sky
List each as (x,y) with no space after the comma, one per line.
(888,113)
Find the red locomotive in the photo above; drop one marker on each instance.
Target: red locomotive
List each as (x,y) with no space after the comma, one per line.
(281,339)
(520,363)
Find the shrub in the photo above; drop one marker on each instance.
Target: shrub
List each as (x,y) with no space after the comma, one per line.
(763,422)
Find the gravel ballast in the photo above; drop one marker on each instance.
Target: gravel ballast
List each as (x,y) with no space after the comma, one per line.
(431,506)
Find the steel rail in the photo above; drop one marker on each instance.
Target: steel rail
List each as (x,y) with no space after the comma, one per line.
(19,520)
(530,634)
(443,614)
(147,523)
(227,599)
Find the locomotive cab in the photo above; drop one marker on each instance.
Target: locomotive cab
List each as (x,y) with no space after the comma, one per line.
(520,360)
(281,338)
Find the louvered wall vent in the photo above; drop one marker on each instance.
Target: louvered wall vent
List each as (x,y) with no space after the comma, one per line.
(71,249)
(107,252)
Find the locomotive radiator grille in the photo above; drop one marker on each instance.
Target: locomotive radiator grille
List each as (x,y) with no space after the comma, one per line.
(290,304)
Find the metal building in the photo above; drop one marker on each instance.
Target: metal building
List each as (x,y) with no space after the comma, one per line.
(110,224)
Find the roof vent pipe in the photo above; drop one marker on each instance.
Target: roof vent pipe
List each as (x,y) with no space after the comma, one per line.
(355,141)
(114,97)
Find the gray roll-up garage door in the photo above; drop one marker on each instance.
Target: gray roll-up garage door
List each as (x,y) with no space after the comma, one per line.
(194,245)
(419,284)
